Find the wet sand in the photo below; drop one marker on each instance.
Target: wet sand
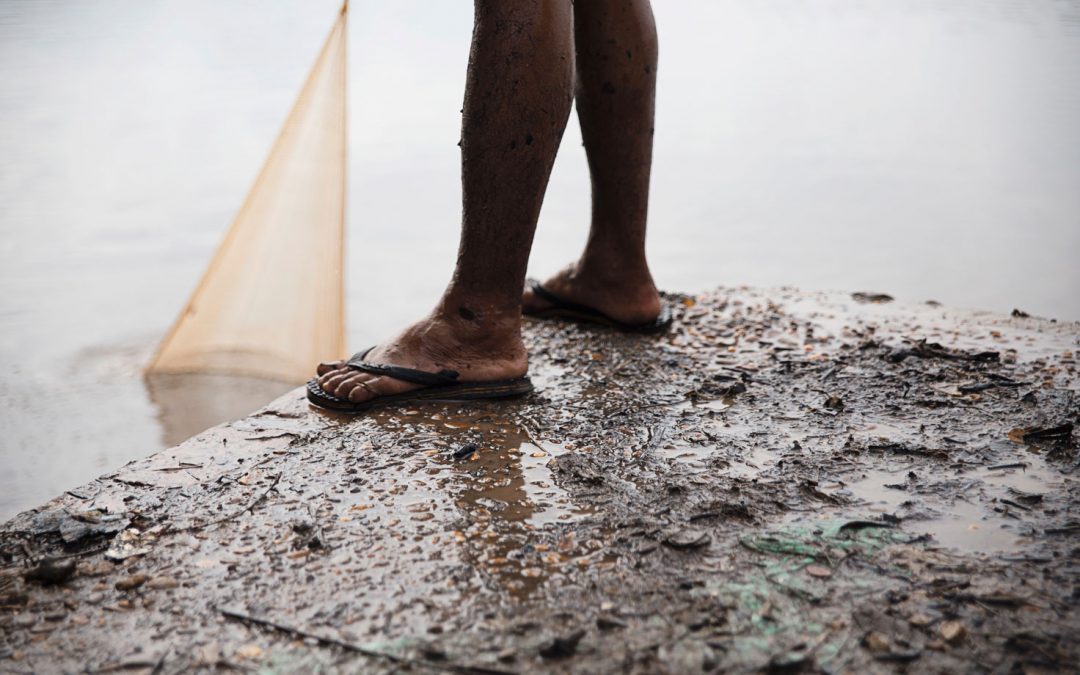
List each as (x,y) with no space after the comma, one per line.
(787,480)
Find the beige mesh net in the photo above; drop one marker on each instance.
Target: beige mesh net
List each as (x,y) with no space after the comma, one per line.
(271,304)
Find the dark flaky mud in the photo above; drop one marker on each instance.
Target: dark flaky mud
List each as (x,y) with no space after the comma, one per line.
(786,482)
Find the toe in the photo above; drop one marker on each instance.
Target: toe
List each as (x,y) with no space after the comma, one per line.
(388,386)
(325,377)
(360,392)
(329,376)
(349,384)
(331,381)
(327,366)
(324,380)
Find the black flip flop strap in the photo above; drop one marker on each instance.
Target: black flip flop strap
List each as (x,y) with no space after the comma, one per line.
(547,295)
(444,376)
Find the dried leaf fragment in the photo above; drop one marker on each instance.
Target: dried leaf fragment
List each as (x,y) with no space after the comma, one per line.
(877,642)
(132,582)
(953,631)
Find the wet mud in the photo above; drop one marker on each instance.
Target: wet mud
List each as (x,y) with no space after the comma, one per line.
(786,482)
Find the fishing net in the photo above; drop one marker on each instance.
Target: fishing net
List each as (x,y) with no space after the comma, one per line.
(271,303)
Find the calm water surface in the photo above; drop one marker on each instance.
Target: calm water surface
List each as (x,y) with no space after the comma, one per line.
(926,148)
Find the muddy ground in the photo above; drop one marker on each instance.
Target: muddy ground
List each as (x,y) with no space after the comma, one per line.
(786,482)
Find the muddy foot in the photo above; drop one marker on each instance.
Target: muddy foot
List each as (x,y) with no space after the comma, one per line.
(628,298)
(478,354)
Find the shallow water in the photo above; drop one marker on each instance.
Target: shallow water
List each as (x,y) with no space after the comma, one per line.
(957,519)
(503,490)
(974,511)
(926,149)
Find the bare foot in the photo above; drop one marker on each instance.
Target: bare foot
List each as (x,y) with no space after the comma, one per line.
(630,298)
(479,350)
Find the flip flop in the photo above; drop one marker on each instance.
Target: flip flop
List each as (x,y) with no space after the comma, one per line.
(440,386)
(572,311)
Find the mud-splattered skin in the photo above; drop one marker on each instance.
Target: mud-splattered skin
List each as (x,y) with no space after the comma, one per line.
(519,88)
(517,101)
(785,480)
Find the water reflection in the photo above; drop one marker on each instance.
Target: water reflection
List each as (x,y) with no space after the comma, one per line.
(188,404)
(953,509)
(503,493)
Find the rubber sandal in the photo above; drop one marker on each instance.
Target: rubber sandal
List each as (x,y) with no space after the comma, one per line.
(567,309)
(440,386)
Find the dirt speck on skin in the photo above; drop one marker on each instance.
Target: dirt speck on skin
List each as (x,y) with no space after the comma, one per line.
(786,481)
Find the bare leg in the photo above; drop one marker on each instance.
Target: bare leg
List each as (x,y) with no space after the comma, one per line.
(517,99)
(616,49)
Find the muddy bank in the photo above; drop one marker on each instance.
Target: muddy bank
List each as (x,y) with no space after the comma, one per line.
(786,482)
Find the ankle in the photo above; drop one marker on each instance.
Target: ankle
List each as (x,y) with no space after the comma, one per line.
(479,323)
(627,296)
(607,270)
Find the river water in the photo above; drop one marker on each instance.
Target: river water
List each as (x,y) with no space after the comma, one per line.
(925,148)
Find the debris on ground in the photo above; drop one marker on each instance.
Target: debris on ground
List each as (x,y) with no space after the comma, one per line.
(784,482)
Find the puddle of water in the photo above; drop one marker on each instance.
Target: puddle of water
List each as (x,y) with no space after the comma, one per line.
(963,330)
(967,513)
(516,478)
(717,404)
(746,465)
(551,502)
(752,466)
(883,431)
(691,455)
(487,505)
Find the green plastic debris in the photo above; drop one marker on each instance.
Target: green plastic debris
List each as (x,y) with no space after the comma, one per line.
(814,543)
